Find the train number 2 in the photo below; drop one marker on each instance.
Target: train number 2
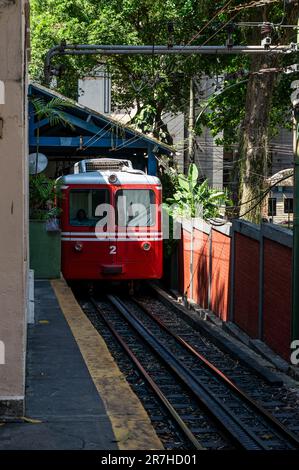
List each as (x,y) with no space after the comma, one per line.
(112,250)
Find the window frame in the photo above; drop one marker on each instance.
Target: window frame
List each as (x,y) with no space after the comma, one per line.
(288,199)
(272,213)
(82,189)
(132,227)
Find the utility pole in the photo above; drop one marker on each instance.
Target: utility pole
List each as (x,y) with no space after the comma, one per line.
(295,278)
(190,127)
(295,312)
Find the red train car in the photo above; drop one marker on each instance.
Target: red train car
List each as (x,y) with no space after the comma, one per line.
(111,222)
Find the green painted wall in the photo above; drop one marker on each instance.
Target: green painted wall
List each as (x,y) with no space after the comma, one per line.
(45,251)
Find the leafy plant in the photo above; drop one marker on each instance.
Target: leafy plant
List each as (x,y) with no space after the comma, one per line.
(52,110)
(43,196)
(193,199)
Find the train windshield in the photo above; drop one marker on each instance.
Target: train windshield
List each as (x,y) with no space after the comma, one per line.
(135,208)
(83,205)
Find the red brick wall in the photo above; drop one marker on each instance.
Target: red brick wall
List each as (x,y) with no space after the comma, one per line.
(221,245)
(201,268)
(185,268)
(277,297)
(277,283)
(181,264)
(246,289)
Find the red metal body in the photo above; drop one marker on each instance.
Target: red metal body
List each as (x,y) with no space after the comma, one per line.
(111,255)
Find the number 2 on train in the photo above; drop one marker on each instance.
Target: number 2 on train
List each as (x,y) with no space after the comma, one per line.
(112,250)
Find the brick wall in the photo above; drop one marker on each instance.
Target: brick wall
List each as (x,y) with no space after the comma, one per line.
(186,239)
(246,284)
(221,246)
(277,301)
(201,268)
(200,276)
(215,278)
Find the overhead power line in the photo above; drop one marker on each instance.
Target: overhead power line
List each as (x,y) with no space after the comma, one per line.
(253,4)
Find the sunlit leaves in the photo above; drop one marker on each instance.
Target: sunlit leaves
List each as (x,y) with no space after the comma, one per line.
(193,198)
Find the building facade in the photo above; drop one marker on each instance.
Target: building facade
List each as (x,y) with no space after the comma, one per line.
(13,204)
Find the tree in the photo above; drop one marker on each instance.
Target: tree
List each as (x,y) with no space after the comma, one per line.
(158,84)
(255,131)
(251,113)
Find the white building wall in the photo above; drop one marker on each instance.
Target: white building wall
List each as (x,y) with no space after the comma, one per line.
(281,148)
(95,92)
(13,206)
(175,125)
(208,155)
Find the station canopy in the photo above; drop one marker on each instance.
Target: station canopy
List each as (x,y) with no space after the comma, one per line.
(90,134)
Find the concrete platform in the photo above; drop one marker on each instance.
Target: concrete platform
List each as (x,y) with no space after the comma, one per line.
(64,409)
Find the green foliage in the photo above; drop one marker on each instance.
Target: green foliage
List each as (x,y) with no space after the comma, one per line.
(151,82)
(52,110)
(169,180)
(43,195)
(194,199)
(225,113)
(154,83)
(145,119)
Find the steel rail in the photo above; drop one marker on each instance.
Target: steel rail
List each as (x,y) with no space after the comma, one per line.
(291,437)
(158,392)
(235,430)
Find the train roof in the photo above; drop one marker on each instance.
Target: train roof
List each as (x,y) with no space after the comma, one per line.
(102,177)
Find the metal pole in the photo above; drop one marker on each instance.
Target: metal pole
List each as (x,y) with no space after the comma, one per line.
(190,126)
(295,276)
(94,49)
(295,312)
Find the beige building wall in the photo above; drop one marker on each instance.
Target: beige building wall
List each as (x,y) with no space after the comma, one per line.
(13,210)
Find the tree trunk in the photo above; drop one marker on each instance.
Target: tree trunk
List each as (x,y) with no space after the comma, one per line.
(253,154)
(159,125)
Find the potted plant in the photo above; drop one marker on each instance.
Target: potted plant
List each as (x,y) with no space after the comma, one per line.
(44,232)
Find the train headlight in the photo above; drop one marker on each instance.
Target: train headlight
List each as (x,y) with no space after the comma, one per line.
(78,247)
(146,246)
(112,178)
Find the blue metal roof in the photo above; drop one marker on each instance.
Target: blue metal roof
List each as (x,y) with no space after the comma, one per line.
(92,134)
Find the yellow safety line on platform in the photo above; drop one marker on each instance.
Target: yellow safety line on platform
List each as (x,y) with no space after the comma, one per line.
(130,423)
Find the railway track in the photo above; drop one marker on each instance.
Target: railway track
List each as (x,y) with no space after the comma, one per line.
(208,408)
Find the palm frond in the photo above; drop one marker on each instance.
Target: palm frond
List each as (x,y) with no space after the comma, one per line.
(52,110)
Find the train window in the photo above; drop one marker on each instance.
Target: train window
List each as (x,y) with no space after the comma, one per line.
(135,207)
(83,204)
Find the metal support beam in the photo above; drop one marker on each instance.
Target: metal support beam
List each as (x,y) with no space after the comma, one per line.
(295,273)
(97,49)
(151,162)
(295,300)
(89,142)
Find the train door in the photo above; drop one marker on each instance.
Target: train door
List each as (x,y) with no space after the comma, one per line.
(136,221)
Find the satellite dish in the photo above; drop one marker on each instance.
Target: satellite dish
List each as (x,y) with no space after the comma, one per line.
(37,163)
